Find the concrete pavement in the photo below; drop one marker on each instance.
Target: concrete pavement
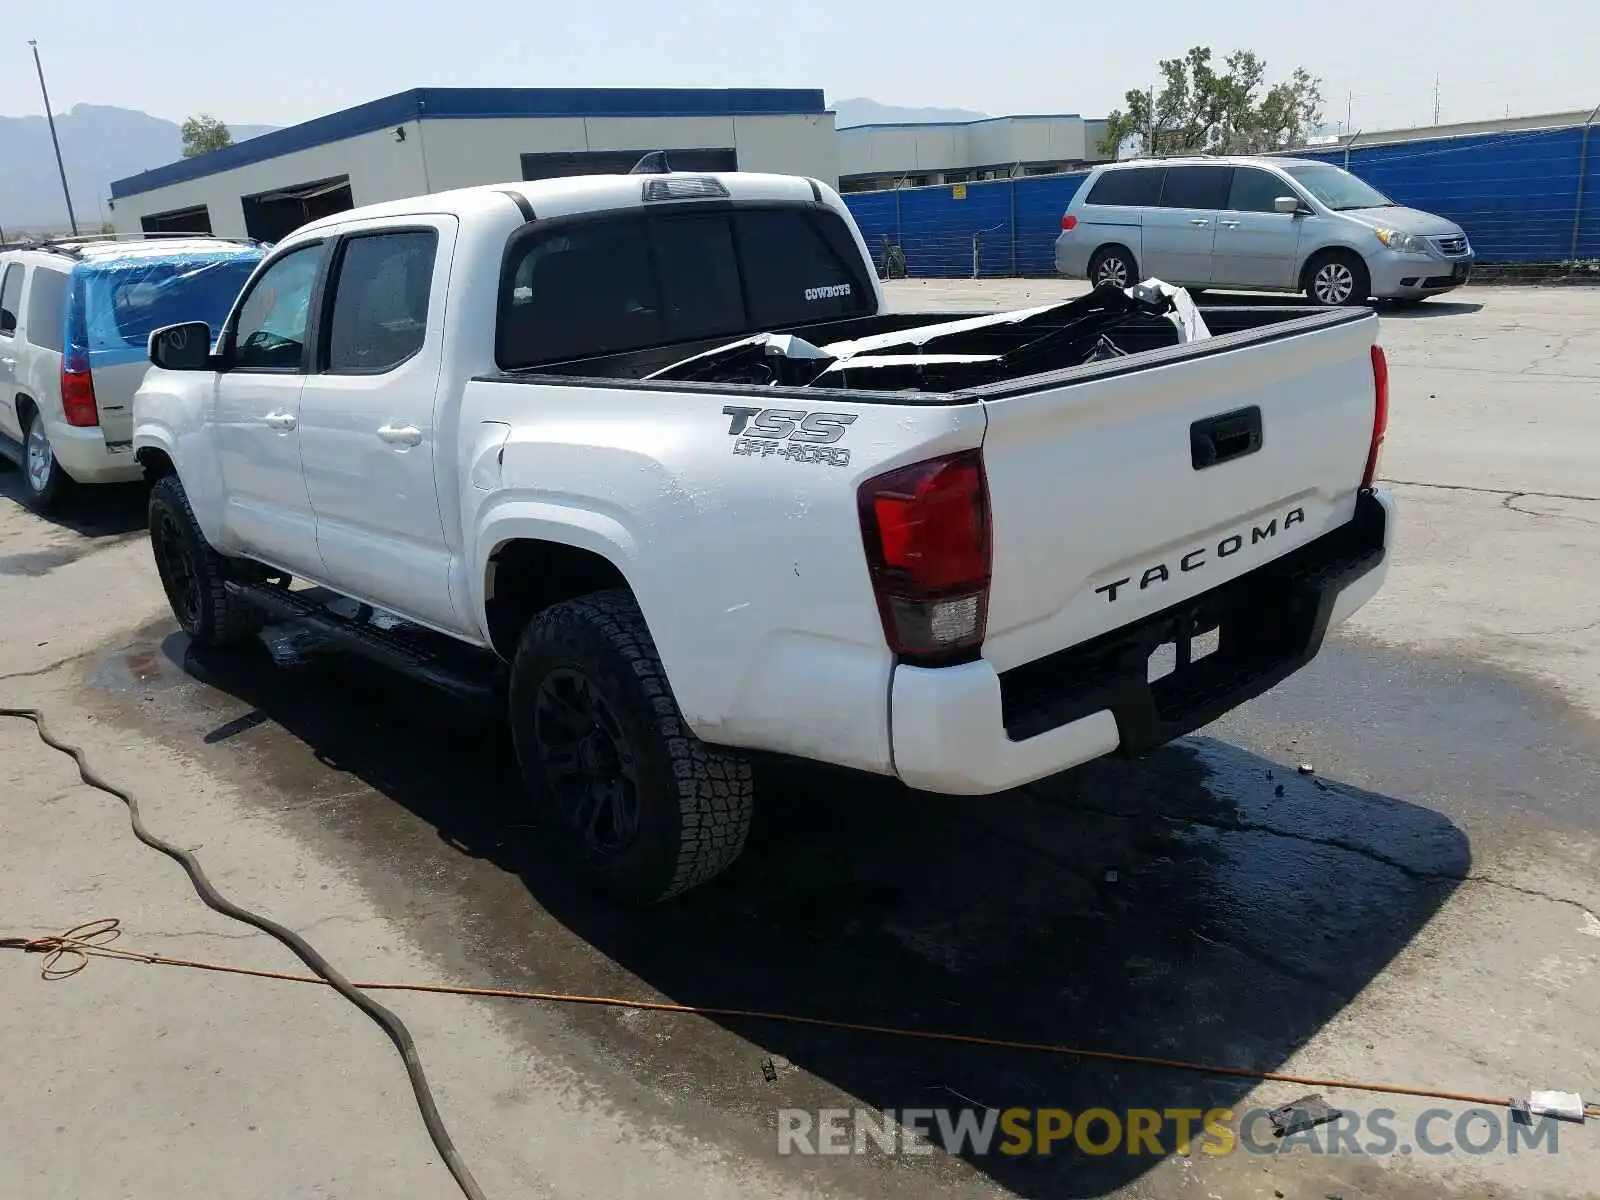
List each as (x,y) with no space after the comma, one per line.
(1421,910)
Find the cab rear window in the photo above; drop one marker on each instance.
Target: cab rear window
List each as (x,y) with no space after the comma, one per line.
(634,280)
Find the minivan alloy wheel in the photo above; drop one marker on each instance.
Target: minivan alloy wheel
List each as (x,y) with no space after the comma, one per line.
(1113,270)
(1334,283)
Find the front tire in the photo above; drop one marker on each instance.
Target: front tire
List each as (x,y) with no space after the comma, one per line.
(638,805)
(44,482)
(195,576)
(1337,279)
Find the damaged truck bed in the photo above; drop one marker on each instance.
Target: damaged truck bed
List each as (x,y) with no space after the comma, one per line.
(947,352)
(948,355)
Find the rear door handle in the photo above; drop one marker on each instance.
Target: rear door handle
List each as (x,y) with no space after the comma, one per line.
(1199,220)
(1230,224)
(284,421)
(401,435)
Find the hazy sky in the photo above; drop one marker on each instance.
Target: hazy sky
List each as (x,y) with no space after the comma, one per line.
(290,60)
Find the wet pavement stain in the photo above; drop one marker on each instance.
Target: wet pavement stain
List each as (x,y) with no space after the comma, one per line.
(42,562)
(1203,903)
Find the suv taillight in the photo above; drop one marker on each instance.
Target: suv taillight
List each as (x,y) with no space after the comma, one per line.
(77,391)
(1380,413)
(1069,222)
(927,536)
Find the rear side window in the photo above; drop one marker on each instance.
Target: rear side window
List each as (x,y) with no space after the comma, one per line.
(624,283)
(10,299)
(1129,187)
(1196,187)
(380,301)
(1254,190)
(47,309)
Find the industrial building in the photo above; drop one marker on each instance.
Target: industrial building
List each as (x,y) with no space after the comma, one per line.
(872,157)
(432,139)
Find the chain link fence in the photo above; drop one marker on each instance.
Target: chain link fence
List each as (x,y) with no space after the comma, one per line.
(1525,198)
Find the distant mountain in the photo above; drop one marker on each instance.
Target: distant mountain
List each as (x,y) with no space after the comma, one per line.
(98,144)
(861,111)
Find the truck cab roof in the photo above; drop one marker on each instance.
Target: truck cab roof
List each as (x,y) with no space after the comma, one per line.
(579,194)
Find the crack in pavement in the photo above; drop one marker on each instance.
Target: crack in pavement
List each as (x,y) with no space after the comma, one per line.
(1420,874)
(1510,505)
(35,672)
(47,668)
(1510,493)
(1566,631)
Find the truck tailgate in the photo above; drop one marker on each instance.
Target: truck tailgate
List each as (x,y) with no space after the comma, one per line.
(1123,489)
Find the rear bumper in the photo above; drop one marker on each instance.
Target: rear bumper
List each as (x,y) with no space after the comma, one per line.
(969,730)
(86,458)
(1072,256)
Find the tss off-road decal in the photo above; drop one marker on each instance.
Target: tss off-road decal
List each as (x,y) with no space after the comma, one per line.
(792,433)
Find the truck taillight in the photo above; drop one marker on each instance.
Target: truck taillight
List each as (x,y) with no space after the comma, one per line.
(927,535)
(77,392)
(1380,413)
(1068,221)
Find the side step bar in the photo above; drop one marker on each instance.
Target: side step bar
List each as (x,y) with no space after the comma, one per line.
(473,678)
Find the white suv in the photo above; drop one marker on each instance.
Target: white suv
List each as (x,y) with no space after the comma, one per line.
(75,320)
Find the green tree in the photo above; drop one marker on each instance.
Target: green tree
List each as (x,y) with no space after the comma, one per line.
(1200,110)
(203,134)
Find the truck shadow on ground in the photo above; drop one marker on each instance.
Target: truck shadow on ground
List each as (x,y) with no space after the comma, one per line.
(113,510)
(1201,904)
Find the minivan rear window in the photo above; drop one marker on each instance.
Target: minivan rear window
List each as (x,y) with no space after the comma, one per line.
(629,281)
(1129,187)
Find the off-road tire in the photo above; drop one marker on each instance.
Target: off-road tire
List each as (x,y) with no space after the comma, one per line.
(212,617)
(693,802)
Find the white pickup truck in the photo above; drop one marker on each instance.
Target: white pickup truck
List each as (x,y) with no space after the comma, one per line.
(654,447)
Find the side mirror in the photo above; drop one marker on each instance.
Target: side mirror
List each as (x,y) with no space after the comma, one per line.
(1287,205)
(184,347)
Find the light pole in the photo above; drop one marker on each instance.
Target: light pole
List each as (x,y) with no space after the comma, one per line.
(54,141)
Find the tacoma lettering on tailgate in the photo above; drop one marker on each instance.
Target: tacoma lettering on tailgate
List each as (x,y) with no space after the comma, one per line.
(1199,557)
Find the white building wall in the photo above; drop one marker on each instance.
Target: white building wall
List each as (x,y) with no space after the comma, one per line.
(379,168)
(931,149)
(446,153)
(791,145)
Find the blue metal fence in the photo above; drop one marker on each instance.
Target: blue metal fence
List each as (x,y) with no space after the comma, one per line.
(1516,194)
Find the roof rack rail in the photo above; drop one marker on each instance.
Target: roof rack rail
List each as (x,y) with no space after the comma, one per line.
(76,245)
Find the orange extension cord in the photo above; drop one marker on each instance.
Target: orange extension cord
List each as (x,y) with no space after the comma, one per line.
(68,953)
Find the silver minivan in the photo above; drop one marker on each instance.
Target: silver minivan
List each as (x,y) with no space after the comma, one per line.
(1261,224)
